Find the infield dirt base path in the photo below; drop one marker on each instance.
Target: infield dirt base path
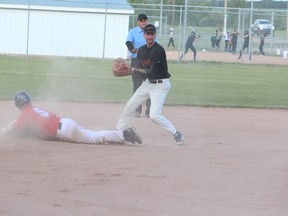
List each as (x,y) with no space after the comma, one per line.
(234,162)
(229,57)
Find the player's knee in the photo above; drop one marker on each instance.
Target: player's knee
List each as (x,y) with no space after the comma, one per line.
(155,118)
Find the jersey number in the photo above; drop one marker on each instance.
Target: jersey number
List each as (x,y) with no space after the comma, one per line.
(41,112)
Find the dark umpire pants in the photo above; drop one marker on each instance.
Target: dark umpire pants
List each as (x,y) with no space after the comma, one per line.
(138,78)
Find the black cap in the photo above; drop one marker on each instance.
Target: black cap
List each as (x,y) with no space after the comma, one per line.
(142,16)
(150,29)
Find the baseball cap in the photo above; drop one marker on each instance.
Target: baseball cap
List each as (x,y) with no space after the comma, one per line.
(150,29)
(142,16)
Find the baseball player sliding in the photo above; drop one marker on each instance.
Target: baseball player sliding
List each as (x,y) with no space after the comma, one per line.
(45,125)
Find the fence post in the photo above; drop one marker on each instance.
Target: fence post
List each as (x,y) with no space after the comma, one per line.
(28,29)
(225,17)
(251,18)
(166,21)
(181,44)
(272,34)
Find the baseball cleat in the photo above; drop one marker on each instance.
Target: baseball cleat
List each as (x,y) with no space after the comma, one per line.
(179,138)
(132,136)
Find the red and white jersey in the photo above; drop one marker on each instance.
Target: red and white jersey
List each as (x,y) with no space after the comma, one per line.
(38,122)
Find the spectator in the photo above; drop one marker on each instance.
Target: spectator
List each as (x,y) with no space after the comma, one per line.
(218,38)
(214,38)
(171,38)
(261,43)
(226,37)
(234,40)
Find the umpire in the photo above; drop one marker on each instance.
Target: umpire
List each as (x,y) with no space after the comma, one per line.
(135,39)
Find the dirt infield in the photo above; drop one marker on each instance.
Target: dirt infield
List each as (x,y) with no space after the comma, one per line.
(234,163)
(229,57)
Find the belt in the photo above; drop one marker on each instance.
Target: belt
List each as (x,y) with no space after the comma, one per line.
(156,81)
(59,125)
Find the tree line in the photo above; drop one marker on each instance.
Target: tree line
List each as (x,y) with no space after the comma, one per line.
(264,4)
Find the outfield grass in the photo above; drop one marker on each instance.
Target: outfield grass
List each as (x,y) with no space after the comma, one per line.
(195,83)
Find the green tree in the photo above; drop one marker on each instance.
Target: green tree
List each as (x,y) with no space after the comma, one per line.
(173,2)
(236,4)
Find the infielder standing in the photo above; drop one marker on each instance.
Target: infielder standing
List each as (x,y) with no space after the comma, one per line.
(151,60)
(45,125)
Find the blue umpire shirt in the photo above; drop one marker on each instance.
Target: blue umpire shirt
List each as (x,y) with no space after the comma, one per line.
(136,36)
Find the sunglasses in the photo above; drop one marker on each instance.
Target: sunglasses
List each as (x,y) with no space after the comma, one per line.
(143,20)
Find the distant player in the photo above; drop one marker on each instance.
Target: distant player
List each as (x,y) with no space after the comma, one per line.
(245,44)
(171,38)
(261,43)
(189,44)
(37,122)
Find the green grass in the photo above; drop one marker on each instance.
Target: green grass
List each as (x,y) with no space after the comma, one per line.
(195,83)
(232,85)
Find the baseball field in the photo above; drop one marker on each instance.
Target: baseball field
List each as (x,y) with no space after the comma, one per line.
(234,161)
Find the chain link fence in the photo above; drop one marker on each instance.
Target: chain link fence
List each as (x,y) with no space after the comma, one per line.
(184,18)
(205,20)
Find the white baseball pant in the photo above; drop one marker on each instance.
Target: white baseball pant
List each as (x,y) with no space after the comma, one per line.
(70,131)
(157,93)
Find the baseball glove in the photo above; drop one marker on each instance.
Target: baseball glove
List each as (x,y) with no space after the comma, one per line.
(121,68)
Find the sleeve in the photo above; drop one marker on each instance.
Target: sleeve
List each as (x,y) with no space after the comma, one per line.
(8,128)
(139,59)
(129,45)
(21,122)
(130,36)
(16,128)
